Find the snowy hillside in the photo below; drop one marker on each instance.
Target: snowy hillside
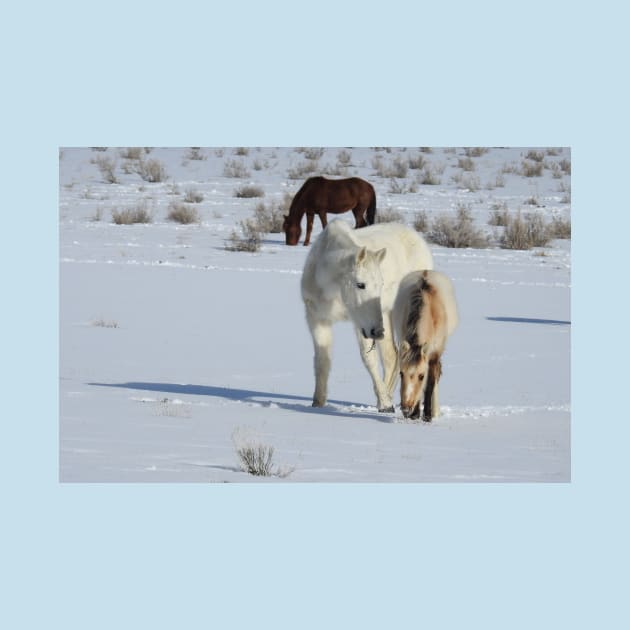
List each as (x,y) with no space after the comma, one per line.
(175,350)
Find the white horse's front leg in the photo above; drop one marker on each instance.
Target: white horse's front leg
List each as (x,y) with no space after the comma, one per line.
(389,355)
(322,343)
(370,360)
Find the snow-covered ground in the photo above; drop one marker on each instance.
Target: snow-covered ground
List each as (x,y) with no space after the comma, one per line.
(172,349)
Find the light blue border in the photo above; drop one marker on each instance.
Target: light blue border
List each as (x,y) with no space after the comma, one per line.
(314,556)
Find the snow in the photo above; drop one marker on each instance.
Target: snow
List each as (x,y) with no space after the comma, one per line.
(197,344)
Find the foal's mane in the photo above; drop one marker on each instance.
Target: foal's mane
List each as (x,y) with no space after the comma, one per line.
(417,299)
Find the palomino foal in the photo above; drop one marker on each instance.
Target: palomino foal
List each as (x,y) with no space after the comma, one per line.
(425,314)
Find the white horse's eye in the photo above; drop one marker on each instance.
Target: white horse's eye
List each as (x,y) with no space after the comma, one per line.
(360,285)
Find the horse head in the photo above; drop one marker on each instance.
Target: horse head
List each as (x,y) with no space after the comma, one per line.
(292,230)
(362,290)
(413,371)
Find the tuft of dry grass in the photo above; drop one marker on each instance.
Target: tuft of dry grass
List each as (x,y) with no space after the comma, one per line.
(235,169)
(531,169)
(132,153)
(269,218)
(302,169)
(560,228)
(421,221)
(152,171)
(194,153)
(457,231)
(499,216)
(136,214)
(248,240)
(466,164)
(248,191)
(389,215)
(256,459)
(107,167)
(105,323)
(428,177)
(475,151)
(182,213)
(525,231)
(193,196)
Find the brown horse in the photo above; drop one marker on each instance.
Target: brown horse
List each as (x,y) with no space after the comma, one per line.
(319,195)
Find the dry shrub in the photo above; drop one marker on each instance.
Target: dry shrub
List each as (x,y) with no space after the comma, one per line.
(560,228)
(457,231)
(525,232)
(132,153)
(428,177)
(235,169)
(128,216)
(389,215)
(256,459)
(182,213)
(194,153)
(418,162)
(475,151)
(535,156)
(107,167)
(249,191)
(499,216)
(270,217)
(421,221)
(531,169)
(302,169)
(152,171)
(193,196)
(466,164)
(248,240)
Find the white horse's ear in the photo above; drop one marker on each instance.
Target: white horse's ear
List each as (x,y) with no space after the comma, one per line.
(380,254)
(405,346)
(361,254)
(424,350)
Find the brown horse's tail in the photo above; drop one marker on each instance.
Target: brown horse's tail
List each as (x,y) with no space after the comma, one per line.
(370,215)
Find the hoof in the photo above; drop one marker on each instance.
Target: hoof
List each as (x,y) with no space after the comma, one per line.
(386,410)
(318,404)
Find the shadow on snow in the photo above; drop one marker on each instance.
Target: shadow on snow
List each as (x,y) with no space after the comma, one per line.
(253,396)
(529,320)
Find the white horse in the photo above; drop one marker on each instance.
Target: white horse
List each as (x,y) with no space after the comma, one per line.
(425,314)
(354,274)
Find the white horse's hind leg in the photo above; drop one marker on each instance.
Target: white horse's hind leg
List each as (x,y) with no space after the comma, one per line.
(322,343)
(370,360)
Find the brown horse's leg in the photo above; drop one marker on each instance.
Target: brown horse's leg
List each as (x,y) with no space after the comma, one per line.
(359,217)
(433,376)
(309,227)
(323,219)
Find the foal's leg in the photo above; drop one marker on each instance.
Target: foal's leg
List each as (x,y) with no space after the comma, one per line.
(431,403)
(370,360)
(321,332)
(309,227)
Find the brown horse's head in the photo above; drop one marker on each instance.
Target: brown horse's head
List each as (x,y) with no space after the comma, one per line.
(292,230)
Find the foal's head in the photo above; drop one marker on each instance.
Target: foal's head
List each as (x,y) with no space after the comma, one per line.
(414,364)
(292,230)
